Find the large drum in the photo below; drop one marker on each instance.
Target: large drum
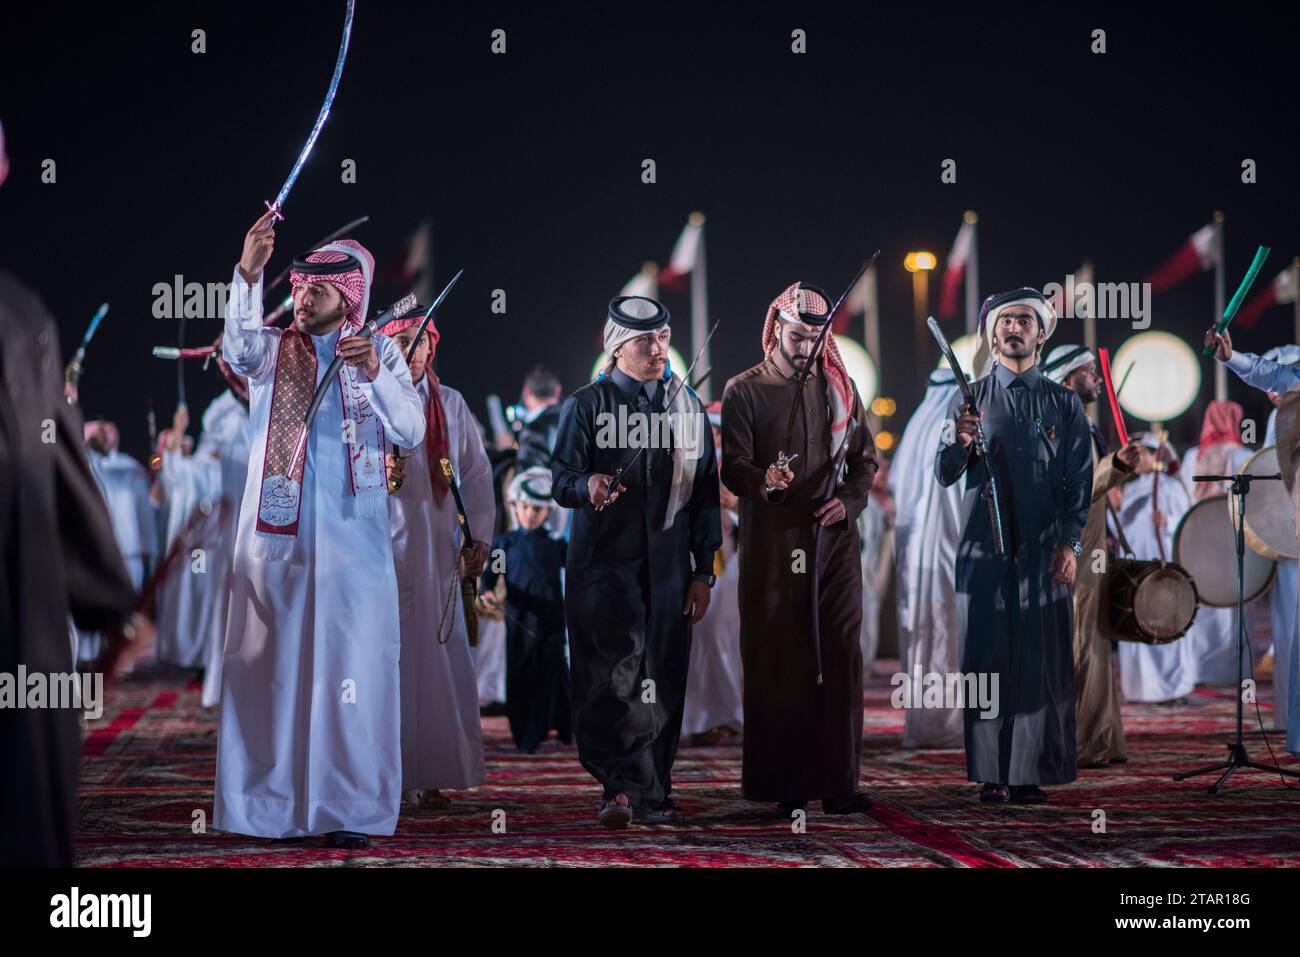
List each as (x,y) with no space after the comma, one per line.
(1205,544)
(1270,513)
(1151,602)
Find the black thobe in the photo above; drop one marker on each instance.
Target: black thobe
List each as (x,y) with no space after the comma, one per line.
(626,578)
(57,553)
(802,740)
(1016,624)
(537,676)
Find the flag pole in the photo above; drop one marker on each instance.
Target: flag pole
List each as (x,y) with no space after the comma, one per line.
(972,274)
(1089,315)
(1220,370)
(700,308)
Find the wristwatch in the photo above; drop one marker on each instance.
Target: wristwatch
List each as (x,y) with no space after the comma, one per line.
(1076,546)
(709,580)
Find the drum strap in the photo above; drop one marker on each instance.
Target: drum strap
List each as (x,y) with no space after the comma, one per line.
(1119,530)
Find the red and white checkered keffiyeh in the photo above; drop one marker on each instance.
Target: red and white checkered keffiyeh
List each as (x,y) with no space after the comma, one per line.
(295,384)
(435,419)
(786,307)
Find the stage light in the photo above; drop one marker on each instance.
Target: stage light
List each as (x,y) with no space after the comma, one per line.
(883,406)
(1166,376)
(860,367)
(919,261)
(884,441)
(963,347)
(674,358)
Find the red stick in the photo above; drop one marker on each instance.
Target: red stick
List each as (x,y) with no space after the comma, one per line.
(1115,414)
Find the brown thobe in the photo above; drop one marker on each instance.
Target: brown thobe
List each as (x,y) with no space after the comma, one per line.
(1099,732)
(802,740)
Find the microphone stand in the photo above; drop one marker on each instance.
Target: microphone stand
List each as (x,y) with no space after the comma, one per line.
(1237,757)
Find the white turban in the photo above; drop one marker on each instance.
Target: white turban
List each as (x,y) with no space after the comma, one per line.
(1063,360)
(531,485)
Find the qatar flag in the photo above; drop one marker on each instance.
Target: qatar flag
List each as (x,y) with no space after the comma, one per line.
(959,258)
(643,283)
(861,301)
(1279,291)
(686,255)
(1198,254)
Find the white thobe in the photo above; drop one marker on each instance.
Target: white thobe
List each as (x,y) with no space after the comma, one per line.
(1156,672)
(225,438)
(490,661)
(1214,635)
(928,524)
(442,741)
(124,484)
(310,734)
(1283,599)
(189,483)
(713,690)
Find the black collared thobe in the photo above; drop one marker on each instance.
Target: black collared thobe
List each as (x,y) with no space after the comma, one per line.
(1016,624)
(626,578)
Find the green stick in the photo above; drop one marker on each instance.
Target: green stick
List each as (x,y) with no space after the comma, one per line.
(1235,303)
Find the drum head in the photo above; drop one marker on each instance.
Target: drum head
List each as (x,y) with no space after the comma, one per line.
(1205,545)
(1270,513)
(1165,603)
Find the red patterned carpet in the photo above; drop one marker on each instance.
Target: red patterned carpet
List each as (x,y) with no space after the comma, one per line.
(149,766)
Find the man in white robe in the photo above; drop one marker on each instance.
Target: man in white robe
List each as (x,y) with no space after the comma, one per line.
(225,439)
(310,736)
(442,741)
(928,524)
(1155,673)
(124,484)
(1276,372)
(714,711)
(189,486)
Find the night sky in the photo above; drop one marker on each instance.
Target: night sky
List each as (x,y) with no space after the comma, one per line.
(529,163)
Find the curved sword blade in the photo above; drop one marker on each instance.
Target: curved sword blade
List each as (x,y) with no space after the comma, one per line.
(281,196)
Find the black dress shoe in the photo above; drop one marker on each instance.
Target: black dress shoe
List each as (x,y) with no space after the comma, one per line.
(856,803)
(665,813)
(786,808)
(348,840)
(287,840)
(1027,794)
(994,794)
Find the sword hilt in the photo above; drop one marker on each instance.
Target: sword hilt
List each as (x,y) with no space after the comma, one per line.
(274,209)
(782,462)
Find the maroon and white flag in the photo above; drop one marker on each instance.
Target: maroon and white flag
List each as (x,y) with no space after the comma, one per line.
(686,255)
(1198,254)
(645,283)
(1281,290)
(958,260)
